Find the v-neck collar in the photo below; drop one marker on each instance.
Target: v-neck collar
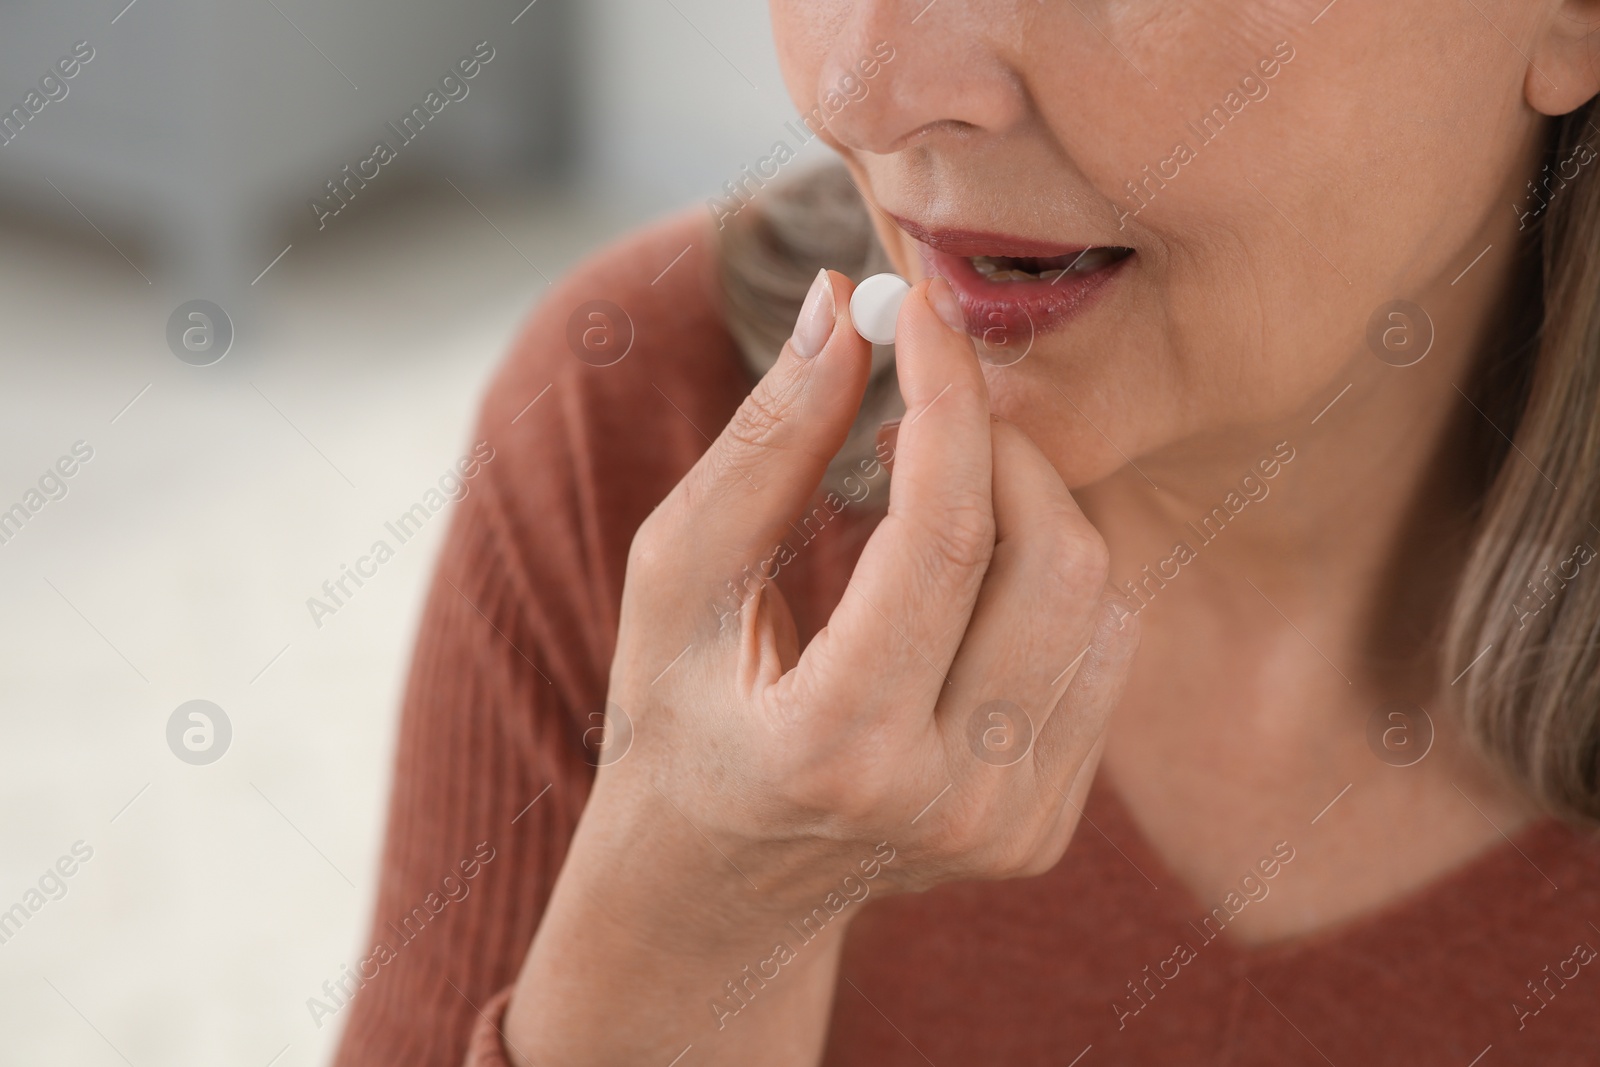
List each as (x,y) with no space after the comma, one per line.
(1415,908)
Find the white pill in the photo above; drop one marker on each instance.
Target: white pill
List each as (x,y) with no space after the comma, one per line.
(875,306)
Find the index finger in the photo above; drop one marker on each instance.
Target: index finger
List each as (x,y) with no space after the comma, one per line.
(906,609)
(736,502)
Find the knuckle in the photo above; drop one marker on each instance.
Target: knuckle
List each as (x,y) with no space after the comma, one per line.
(991,836)
(648,554)
(1016,858)
(1082,560)
(760,417)
(1073,565)
(1012,850)
(1057,827)
(1040,857)
(963,538)
(959,838)
(1093,560)
(968,832)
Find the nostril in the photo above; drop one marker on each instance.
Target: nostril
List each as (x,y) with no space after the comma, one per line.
(945,86)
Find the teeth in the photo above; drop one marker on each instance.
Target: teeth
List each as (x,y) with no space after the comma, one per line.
(992,271)
(1095,258)
(986,266)
(1091,260)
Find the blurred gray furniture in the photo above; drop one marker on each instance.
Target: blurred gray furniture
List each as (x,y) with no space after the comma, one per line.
(198,133)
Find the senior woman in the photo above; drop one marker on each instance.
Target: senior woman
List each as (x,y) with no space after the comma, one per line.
(1259,337)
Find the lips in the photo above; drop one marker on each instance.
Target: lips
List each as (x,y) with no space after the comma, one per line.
(1011,287)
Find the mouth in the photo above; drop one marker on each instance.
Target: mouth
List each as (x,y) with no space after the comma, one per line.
(1011,288)
(1010,269)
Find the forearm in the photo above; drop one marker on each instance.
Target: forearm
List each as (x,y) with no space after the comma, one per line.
(649,948)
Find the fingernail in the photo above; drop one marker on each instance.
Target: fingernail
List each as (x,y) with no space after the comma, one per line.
(943,300)
(815,324)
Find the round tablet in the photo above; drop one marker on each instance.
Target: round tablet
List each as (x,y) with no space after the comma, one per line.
(875,306)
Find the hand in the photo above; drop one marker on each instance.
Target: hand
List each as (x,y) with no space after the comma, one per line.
(943,726)
(962,682)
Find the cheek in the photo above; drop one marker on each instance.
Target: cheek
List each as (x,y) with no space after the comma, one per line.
(1264,253)
(1230,313)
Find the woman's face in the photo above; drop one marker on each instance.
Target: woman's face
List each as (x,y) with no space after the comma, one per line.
(1279,170)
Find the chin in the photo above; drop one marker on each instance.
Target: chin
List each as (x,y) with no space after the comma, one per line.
(1079,452)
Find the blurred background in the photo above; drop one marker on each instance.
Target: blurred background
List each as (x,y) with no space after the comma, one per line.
(218,879)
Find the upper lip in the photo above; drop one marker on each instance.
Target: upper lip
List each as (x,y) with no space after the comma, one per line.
(979,243)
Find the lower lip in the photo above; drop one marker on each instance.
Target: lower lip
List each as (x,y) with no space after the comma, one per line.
(1017,309)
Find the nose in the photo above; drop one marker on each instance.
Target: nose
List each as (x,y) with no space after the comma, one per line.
(941,70)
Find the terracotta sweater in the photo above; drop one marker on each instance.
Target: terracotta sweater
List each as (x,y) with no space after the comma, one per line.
(1105,960)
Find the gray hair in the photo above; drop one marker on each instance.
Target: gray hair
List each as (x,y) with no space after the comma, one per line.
(770,252)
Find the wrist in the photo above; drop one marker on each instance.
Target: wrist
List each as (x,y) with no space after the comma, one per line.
(641,851)
(642,865)
(642,895)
